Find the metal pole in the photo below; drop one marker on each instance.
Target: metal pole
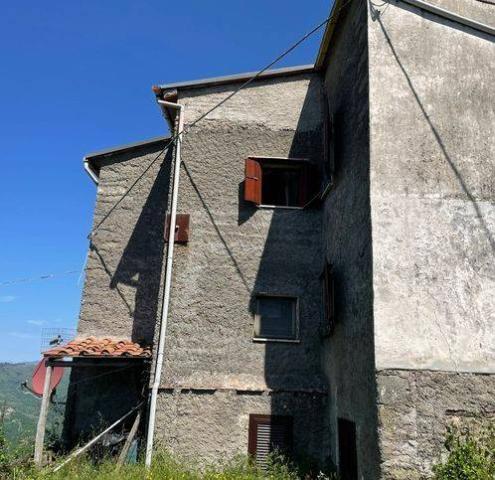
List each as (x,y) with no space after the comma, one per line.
(168,284)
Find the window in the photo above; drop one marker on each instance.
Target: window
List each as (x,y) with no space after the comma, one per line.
(269,433)
(280,182)
(348,466)
(328,291)
(276,318)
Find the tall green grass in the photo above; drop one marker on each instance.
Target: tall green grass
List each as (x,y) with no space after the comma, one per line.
(16,464)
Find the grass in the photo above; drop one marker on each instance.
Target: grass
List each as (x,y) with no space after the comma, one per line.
(16,464)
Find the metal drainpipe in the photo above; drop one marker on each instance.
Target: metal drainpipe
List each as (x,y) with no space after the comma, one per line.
(90,171)
(168,283)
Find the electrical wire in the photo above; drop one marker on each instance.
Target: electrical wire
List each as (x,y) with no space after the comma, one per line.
(185,131)
(47,276)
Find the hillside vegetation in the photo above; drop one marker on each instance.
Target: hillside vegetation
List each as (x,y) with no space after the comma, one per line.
(20,408)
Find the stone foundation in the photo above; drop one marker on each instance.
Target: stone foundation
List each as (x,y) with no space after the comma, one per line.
(416,407)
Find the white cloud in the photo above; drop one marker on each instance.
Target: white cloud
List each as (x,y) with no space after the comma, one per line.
(7,298)
(38,323)
(23,335)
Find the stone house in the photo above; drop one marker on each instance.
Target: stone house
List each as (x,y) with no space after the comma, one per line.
(333,277)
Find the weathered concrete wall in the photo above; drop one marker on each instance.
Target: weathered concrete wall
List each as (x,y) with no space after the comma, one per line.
(349,352)
(122,291)
(433,221)
(432,191)
(212,425)
(474,9)
(415,408)
(236,251)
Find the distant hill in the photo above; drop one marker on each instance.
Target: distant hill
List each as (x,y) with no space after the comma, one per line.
(20,407)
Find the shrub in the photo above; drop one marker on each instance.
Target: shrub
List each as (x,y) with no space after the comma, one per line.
(471,455)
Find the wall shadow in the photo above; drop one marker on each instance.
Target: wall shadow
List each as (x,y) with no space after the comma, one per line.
(349,350)
(141,263)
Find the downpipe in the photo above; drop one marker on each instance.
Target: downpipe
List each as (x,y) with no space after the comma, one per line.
(168,284)
(90,171)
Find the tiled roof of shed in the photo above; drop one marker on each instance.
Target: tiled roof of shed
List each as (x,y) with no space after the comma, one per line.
(99,347)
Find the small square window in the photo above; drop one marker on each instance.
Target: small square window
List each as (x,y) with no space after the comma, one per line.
(276,318)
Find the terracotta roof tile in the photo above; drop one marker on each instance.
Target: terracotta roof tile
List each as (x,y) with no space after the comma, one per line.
(99,347)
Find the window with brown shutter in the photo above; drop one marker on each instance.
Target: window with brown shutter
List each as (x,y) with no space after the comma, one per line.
(277,182)
(328,290)
(268,434)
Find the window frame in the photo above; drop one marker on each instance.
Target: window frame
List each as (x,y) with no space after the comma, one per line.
(305,163)
(257,318)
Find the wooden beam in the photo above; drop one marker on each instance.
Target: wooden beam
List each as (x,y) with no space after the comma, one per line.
(95,362)
(128,442)
(40,430)
(95,439)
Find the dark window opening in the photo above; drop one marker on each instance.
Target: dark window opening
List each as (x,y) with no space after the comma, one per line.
(279,182)
(282,185)
(276,318)
(268,434)
(348,465)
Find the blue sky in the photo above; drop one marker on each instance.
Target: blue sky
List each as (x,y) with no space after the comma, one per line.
(76,77)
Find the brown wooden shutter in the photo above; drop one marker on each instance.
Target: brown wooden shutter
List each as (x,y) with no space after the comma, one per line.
(252,181)
(329,298)
(181,228)
(269,433)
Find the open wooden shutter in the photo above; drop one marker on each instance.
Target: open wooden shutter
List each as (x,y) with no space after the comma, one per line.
(309,184)
(252,181)
(269,433)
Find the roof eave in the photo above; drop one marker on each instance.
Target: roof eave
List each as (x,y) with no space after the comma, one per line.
(238,78)
(327,34)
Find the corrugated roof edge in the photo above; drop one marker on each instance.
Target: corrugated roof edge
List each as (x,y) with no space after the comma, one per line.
(241,77)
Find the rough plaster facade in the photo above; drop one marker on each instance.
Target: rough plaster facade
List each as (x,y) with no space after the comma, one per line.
(215,374)
(235,252)
(408,226)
